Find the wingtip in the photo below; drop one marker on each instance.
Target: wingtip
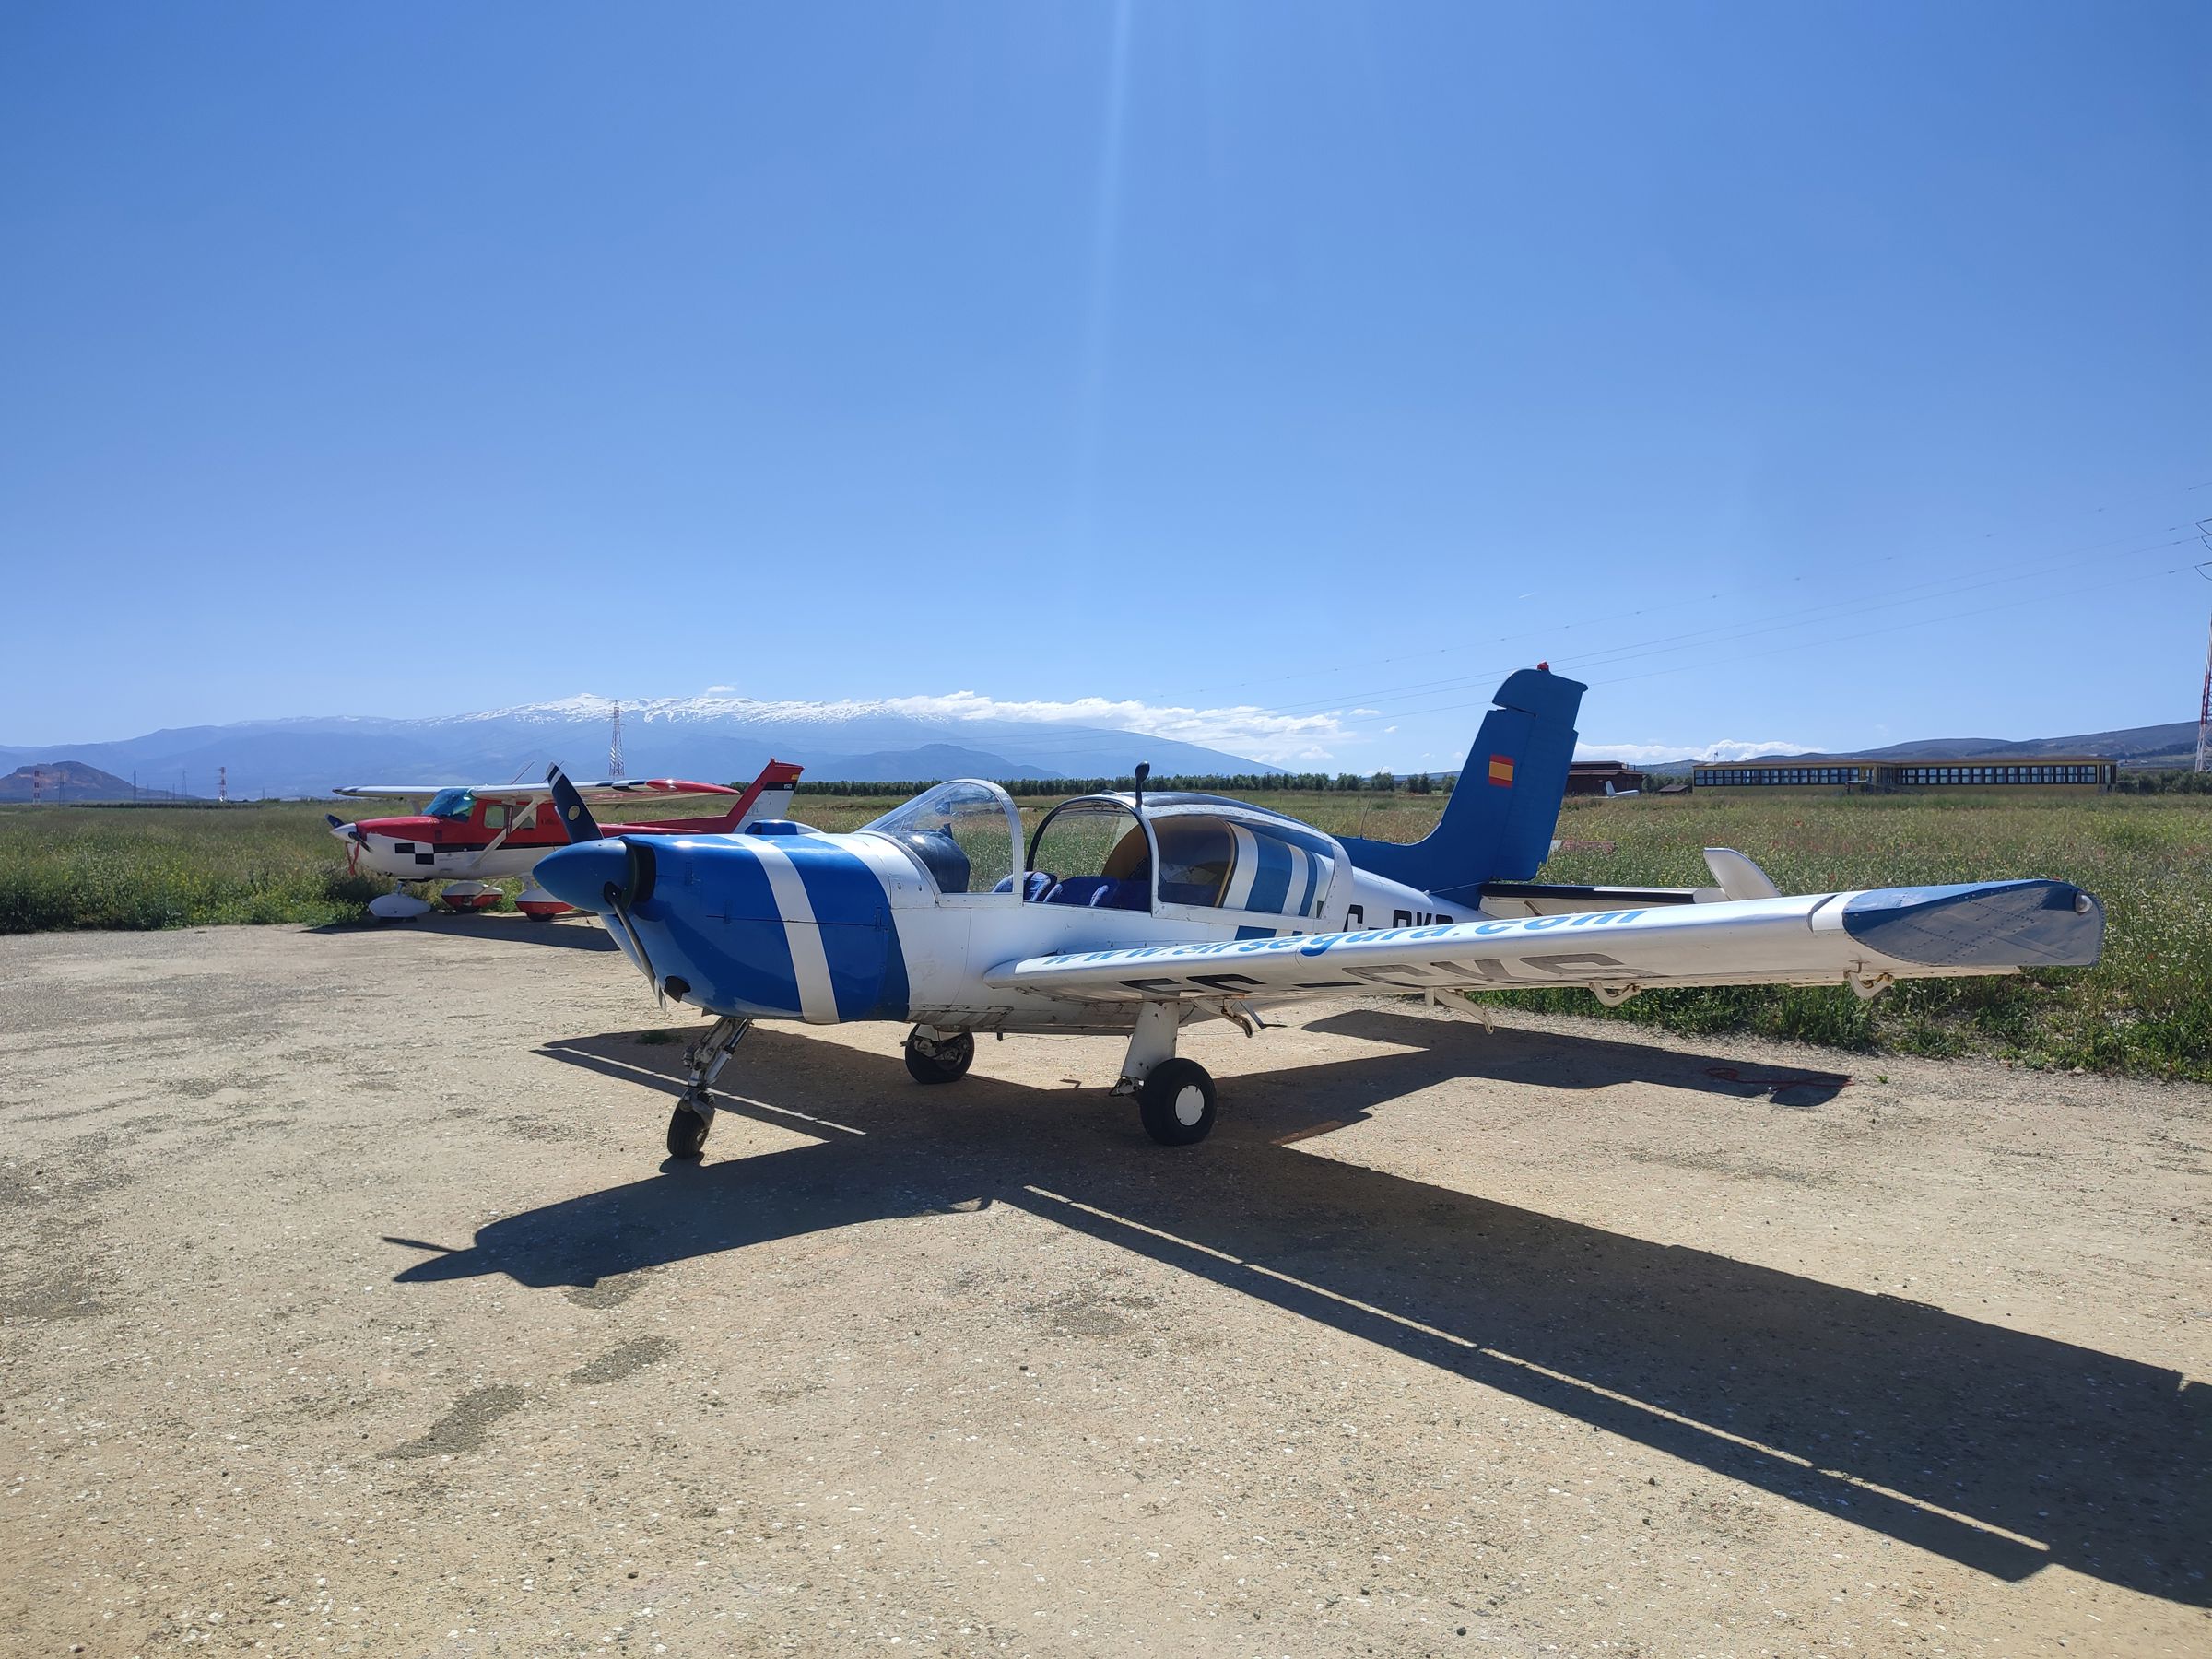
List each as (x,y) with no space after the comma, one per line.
(2030,924)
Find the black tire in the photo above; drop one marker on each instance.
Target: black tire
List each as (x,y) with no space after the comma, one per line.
(1176,1104)
(942,1060)
(687,1133)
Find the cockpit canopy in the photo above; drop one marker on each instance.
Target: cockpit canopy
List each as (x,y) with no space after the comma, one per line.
(1212,854)
(963,833)
(1092,852)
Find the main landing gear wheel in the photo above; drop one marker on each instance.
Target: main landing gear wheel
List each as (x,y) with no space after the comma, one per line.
(939,1059)
(1176,1102)
(688,1131)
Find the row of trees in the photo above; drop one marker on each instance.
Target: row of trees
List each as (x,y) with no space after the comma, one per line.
(2164,781)
(1235,784)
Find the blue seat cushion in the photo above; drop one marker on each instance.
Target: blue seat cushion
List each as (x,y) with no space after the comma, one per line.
(1122,895)
(1079,889)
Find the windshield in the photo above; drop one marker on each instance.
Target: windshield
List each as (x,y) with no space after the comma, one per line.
(962,834)
(449,804)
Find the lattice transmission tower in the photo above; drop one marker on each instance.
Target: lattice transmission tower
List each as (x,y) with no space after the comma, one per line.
(614,747)
(2204,712)
(2204,702)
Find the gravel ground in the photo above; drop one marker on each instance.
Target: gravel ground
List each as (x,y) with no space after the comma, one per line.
(349,1308)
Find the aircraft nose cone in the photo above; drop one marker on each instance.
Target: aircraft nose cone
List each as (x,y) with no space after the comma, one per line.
(578,875)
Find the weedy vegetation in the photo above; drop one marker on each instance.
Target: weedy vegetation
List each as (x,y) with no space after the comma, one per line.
(174,866)
(2147,1009)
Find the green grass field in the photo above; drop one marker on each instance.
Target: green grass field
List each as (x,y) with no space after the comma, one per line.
(2145,1009)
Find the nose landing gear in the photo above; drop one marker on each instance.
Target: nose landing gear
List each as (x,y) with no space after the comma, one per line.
(694,1113)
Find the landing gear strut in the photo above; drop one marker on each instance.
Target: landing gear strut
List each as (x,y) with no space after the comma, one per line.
(1175,1098)
(934,1057)
(694,1113)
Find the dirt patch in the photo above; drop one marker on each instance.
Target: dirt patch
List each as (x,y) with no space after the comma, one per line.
(466,1424)
(1572,1337)
(625,1361)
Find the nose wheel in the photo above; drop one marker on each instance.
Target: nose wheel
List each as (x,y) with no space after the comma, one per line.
(934,1058)
(694,1113)
(687,1127)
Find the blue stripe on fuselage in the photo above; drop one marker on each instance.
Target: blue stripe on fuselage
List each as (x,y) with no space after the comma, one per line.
(1272,885)
(725,925)
(867,968)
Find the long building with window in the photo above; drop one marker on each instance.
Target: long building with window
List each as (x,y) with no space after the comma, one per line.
(2057,773)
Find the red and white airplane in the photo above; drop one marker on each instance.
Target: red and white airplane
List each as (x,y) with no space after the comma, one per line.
(465,834)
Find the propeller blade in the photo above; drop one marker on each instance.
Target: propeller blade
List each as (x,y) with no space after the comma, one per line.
(608,875)
(615,901)
(575,816)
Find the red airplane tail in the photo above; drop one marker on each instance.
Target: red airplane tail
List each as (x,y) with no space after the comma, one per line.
(766,798)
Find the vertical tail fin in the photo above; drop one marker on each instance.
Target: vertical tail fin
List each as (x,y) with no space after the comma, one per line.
(1498,824)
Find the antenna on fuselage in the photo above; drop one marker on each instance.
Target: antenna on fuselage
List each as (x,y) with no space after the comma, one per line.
(1144,771)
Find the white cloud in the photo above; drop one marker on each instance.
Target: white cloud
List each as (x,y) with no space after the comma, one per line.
(1299,741)
(1651,754)
(1245,729)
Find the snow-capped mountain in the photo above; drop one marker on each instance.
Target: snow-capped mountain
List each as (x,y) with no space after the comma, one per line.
(710,739)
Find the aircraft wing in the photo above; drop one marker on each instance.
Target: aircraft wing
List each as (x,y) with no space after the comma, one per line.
(615,789)
(1864,940)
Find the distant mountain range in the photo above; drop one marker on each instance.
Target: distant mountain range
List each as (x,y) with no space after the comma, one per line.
(714,739)
(72,781)
(2172,744)
(717,739)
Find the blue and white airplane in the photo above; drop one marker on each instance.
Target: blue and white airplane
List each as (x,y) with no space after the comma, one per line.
(1143,912)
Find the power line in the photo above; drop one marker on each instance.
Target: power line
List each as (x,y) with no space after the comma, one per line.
(1720,633)
(1553,630)
(2101,585)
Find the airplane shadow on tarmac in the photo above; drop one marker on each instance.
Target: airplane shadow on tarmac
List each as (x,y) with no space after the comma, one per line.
(2001,1450)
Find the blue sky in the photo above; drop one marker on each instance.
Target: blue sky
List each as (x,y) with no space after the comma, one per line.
(1826,374)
